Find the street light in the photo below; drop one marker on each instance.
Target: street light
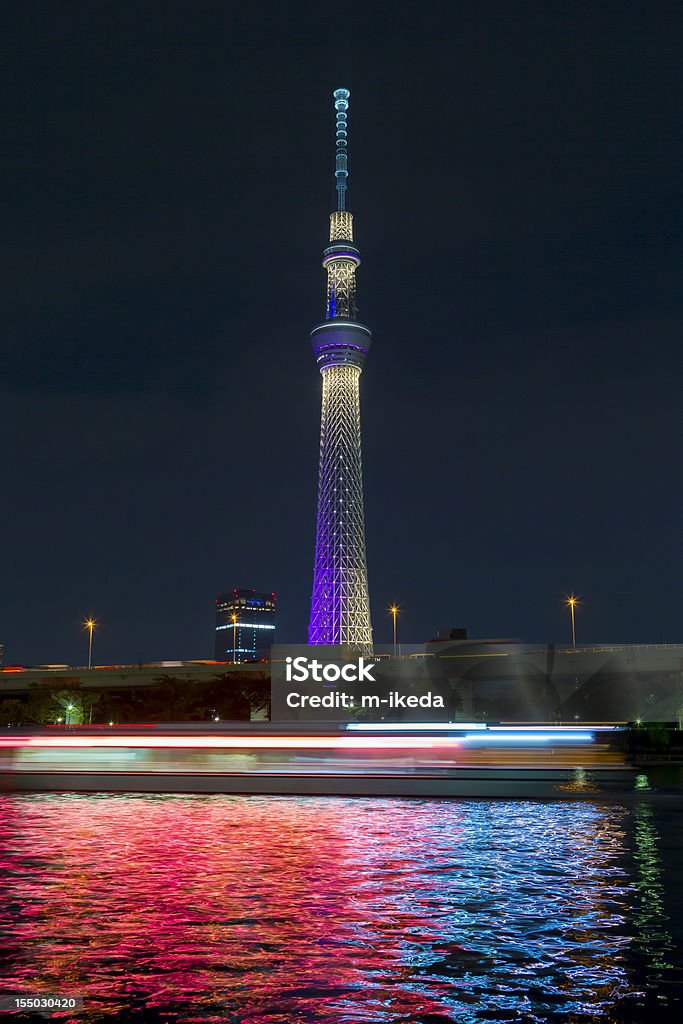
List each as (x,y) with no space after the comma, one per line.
(393,611)
(69,709)
(234,638)
(89,624)
(571,604)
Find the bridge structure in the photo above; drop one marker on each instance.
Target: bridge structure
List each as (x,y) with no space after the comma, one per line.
(487,680)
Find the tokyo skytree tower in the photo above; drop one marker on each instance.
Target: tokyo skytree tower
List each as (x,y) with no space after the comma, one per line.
(340,608)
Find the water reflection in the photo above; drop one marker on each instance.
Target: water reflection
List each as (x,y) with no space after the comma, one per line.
(651,920)
(266,910)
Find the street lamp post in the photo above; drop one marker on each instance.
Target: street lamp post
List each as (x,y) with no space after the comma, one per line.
(89,624)
(571,604)
(393,611)
(234,638)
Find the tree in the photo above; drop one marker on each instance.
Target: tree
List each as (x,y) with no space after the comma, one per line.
(119,708)
(47,705)
(13,712)
(40,706)
(170,700)
(236,696)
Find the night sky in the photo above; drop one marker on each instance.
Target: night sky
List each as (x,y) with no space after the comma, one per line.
(167,180)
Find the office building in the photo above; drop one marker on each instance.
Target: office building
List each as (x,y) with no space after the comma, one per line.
(245,626)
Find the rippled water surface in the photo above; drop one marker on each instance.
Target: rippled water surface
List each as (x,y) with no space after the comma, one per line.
(285,910)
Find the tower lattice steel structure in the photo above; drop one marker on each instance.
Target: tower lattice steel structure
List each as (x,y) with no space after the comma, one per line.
(340,608)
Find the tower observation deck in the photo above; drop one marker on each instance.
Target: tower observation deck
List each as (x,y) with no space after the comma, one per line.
(340,608)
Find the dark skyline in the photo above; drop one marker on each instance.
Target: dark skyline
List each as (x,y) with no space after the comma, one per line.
(515,184)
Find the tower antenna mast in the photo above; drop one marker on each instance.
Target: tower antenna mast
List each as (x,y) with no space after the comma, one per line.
(341,172)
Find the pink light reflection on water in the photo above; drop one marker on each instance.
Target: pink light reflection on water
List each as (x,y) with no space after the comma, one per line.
(312,910)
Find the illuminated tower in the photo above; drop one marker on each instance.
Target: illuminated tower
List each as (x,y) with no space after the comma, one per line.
(340,608)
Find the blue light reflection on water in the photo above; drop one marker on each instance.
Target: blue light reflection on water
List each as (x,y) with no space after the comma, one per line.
(266,910)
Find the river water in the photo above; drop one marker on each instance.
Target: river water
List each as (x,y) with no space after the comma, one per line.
(305,910)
